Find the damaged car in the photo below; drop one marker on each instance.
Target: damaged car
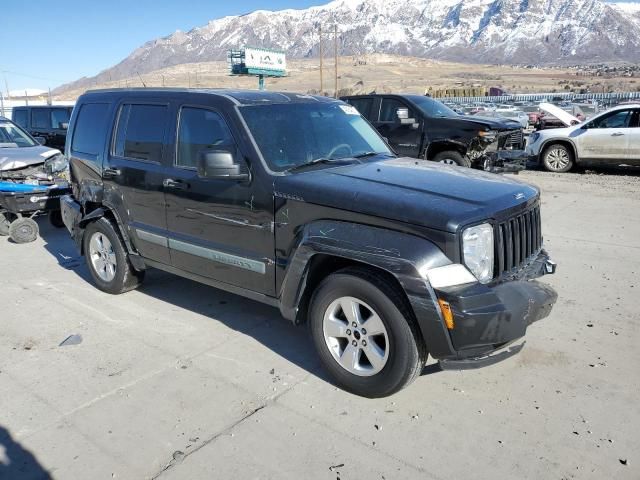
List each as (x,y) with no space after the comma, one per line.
(32,180)
(420,127)
(611,138)
(295,201)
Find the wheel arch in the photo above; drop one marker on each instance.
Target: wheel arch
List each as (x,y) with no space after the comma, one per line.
(561,141)
(325,247)
(440,146)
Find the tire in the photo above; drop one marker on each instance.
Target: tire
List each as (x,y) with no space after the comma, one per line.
(5,221)
(107,259)
(452,158)
(23,230)
(558,158)
(55,218)
(390,360)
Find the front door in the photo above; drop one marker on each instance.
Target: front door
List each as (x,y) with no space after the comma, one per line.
(220,229)
(133,175)
(606,139)
(403,135)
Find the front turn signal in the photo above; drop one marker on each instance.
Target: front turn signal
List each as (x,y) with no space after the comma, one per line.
(447,313)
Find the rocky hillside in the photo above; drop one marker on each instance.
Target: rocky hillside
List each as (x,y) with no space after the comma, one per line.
(478,31)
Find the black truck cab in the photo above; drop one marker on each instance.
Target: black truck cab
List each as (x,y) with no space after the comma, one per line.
(297,202)
(46,121)
(420,127)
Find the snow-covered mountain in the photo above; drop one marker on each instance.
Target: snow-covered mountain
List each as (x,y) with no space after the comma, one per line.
(479,31)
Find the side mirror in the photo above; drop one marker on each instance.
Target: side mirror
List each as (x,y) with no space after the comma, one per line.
(219,163)
(41,140)
(403,117)
(64,126)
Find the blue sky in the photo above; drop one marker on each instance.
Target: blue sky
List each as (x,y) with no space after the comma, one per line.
(49,43)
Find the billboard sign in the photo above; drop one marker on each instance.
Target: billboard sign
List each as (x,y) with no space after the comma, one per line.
(262,59)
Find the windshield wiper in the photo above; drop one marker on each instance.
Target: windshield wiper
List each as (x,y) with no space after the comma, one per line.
(317,161)
(370,154)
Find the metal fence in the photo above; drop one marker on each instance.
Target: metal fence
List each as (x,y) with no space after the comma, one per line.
(549,97)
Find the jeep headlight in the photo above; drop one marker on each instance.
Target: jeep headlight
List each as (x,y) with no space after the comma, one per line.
(477,248)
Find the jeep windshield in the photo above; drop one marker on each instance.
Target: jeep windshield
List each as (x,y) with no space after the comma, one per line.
(12,136)
(432,108)
(292,135)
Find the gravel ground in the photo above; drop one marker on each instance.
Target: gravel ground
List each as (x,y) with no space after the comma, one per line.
(178,380)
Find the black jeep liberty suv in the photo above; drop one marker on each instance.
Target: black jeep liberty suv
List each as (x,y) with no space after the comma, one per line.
(297,202)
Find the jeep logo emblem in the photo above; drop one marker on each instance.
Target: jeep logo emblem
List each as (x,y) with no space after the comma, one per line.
(519,196)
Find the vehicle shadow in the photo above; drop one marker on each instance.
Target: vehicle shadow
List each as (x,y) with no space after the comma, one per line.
(261,322)
(16,462)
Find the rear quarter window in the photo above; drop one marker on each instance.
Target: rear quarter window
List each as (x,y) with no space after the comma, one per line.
(40,118)
(90,128)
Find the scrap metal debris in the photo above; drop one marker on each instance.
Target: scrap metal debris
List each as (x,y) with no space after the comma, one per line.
(74,339)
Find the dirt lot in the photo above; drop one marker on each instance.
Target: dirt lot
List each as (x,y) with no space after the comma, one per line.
(178,380)
(377,72)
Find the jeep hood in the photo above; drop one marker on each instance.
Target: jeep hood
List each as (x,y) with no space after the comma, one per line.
(421,193)
(13,158)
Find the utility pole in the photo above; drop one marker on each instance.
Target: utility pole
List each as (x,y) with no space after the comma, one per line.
(335,54)
(321,61)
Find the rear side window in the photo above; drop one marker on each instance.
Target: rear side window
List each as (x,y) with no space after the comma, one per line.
(90,128)
(363,105)
(200,129)
(141,129)
(59,118)
(40,118)
(20,117)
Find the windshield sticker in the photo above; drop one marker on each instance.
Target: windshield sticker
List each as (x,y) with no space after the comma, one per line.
(349,110)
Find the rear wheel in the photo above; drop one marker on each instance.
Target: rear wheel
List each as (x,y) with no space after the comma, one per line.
(558,158)
(452,158)
(365,334)
(108,260)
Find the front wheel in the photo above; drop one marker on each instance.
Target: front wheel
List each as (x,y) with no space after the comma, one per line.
(365,334)
(558,158)
(452,158)
(108,260)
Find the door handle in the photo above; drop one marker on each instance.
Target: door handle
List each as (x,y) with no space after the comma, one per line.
(175,184)
(617,134)
(111,172)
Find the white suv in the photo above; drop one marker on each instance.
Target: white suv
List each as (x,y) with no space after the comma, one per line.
(609,138)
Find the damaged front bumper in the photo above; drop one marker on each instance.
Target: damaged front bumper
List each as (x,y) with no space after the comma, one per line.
(488,319)
(505,161)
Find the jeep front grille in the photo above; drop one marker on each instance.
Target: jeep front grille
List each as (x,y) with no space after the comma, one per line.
(518,241)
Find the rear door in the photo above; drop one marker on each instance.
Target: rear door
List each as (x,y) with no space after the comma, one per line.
(221,229)
(134,172)
(403,138)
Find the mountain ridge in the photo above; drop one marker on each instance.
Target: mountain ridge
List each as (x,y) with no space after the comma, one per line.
(540,32)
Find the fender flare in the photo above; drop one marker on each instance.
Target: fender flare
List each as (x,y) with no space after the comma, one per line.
(399,254)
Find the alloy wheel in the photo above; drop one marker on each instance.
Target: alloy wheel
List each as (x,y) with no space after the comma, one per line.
(103,257)
(356,336)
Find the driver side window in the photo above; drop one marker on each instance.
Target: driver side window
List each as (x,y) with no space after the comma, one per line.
(200,129)
(389,110)
(619,119)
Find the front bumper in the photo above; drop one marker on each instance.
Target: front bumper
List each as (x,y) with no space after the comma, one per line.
(505,161)
(488,318)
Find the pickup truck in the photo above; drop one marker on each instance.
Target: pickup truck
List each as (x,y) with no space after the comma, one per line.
(420,127)
(297,202)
